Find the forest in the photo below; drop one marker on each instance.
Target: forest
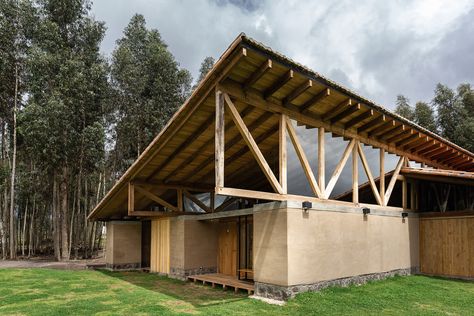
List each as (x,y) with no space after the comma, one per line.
(73,120)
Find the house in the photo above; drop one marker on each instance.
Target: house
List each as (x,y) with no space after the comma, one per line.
(241,188)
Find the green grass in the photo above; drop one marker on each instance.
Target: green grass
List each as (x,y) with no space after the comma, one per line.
(59,292)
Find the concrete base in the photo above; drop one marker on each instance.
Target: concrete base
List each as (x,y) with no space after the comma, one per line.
(182,274)
(278,292)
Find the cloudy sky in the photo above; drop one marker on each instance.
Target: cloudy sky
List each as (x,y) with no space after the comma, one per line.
(377,48)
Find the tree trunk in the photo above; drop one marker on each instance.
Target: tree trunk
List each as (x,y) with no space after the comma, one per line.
(23,233)
(32,220)
(63,192)
(13,171)
(55,222)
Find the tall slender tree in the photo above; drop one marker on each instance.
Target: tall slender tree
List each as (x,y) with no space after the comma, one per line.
(403,107)
(149,86)
(63,122)
(424,116)
(206,66)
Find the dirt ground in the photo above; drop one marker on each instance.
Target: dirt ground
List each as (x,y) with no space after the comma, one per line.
(51,264)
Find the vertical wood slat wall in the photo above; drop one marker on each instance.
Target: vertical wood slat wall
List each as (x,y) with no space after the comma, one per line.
(160,246)
(447,246)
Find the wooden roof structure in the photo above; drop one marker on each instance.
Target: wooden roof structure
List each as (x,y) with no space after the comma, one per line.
(262,85)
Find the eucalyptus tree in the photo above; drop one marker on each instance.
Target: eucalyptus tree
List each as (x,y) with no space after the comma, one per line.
(149,86)
(206,66)
(15,26)
(403,107)
(63,123)
(424,116)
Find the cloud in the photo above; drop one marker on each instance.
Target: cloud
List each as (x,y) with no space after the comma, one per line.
(377,48)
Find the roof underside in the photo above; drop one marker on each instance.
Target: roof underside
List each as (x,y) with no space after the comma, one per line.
(183,153)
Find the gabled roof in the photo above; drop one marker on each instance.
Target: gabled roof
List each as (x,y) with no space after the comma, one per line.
(264,82)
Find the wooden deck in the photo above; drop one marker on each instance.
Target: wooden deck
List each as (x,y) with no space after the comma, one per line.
(224,280)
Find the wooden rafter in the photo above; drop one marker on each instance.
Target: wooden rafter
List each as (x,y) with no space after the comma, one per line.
(358,119)
(392,132)
(339,167)
(283,80)
(436,151)
(393,180)
(344,105)
(351,109)
(428,149)
(201,129)
(203,147)
(419,142)
(410,139)
(372,124)
(262,70)
(303,160)
(365,164)
(298,91)
(313,101)
(400,136)
(247,136)
(381,129)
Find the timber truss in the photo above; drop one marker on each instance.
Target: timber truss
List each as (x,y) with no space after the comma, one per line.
(318,185)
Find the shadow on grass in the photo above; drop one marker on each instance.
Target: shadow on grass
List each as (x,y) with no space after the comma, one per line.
(195,294)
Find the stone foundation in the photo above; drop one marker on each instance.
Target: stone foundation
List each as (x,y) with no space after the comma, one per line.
(123,266)
(182,274)
(285,292)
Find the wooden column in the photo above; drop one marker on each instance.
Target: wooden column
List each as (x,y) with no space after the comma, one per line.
(355,173)
(283,154)
(219,139)
(404,194)
(131,198)
(412,195)
(321,162)
(382,175)
(180,203)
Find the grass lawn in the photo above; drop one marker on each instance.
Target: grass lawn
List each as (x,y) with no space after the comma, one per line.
(60,292)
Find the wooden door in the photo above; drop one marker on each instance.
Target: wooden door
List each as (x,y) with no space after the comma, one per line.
(228,248)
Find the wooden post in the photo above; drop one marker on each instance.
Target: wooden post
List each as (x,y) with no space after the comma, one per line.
(412,195)
(404,194)
(382,175)
(321,162)
(212,201)
(355,173)
(180,203)
(283,154)
(131,198)
(219,139)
